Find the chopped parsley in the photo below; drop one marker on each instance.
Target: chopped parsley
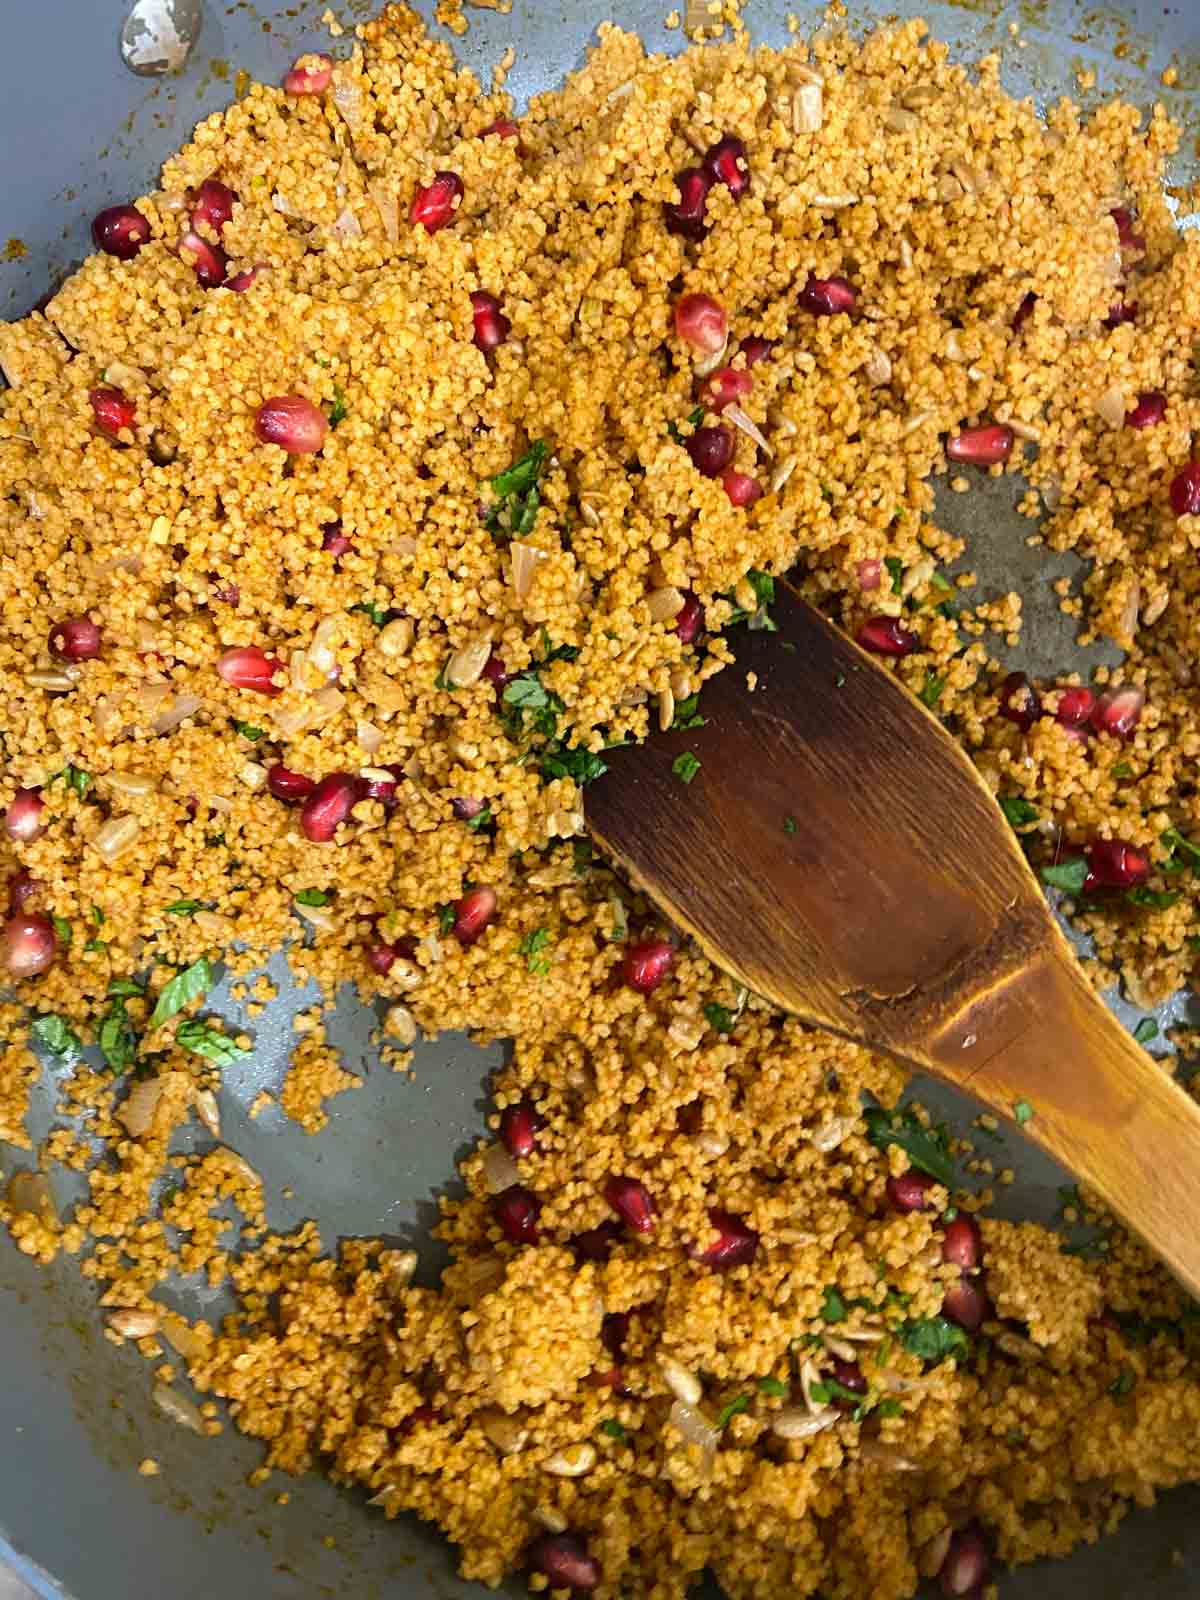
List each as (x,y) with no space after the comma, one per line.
(1122,770)
(517,493)
(889,1408)
(1018,810)
(210,1043)
(1177,844)
(612,1428)
(687,714)
(62,931)
(75,779)
(1023,1112)
(1153,899)
(789,824)
(934,1338)
(1123,1384)
(97,916)
(124,989)
(773,1386)
(96,946)
(927,1148)
(369,609)
(532,947)
(719,1017)
(759,620)
(834,1307)
(183,988)
(1146,1030)
(941,582)
(446,919)
(931,690)
(527,697)
(685,766)
(1069,876)
(184,908)
(248,731)
(731,1409)
(584,766)
(830,1389)
(695,418)
(480,820)
(339,411)
(116,1038)
(52,1031)
(313,897)
(895,568)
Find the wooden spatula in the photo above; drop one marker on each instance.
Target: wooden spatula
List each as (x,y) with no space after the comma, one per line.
(838,853)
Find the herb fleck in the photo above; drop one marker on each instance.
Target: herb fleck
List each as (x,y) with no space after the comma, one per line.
(685,766)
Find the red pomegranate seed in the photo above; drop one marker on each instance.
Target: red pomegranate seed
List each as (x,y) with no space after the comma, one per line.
(335,541)
(1121,312)
(1115,865)
(23,890)
(309,74)
(492,327)
(516,1210)
(910,1192)
(1019,701)
(742,489)
(1150,409)
(293,423)
(248,667)
(213,204)
(381,958)
(242,280)
(467,809)
(646,964)
(962,1243)
(288,786)
(689,620)
(519,1127)
(981,447)
(597,1244)
(701,323)
(735,1245)
(27,945)
(502,128)
(726,163)
(473,913)
(630,1199)
(381,789)
(1024,311)
(208,261)
(725,386)
(496,673)
(1185,491)
(112,410)
(22,820)
(1075,706)
(828,297)
(870,574)
(1118,711)
(685,216)
(849,1375)
(756,349)
(120,231)
(564,1561)
(967,1566)
(1126,238)
(329,805)
(711,450)
(966,1304)
(884,636)
(75,639)
(434,204)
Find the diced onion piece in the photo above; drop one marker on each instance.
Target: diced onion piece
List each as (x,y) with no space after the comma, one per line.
(749,427)
(369,736)
(794,1423)
(499,1169)
(1113,406)
(185,706)
(115,837)
(347,97)
(347,225)
(387,203)
(326,703)
(30,1192)
(179,1408)
(695,1427)
(137,1114)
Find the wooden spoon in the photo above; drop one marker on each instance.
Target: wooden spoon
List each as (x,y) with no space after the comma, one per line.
(838,853)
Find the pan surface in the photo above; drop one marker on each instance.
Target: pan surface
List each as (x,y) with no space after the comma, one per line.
(75,1417)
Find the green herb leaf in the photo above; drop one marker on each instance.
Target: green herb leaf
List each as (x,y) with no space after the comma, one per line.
(52,1031)
(125,989)
(889,1408)
(526,693)
(1146,1030)
(763,585)
(313,897)
(1175,841)
(686,766)
(719,1017)
(185,987)
(339,411)
(447,916)
(480,820)
(582,856)
(1122,1385)
(62,931)
(931,690)
(927,1148)
(96,946)
(612,1428)
(732,1408)
(695,417)
(184,908)
(895,569)
(1023,1112)
(934,1338)
(941,582)
(773,1386)
(584,766)
(97,916)
(117,1040)
(75,778)
(248,731)
(789,825)
(532,947)
(834,1307)
(1122,770)
(1153,899)
(1018,810)
(369,609)
(517,493)
(1069,876)
(210,1043)
(687,714)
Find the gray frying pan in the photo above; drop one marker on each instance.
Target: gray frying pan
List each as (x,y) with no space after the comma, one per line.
(79,131)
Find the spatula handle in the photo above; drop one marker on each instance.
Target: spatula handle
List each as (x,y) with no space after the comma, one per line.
(1095,1099)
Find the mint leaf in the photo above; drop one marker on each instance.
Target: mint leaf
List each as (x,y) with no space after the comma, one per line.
(1023,1112)
(312,897)
(211,1043)
(1146,1030)
(52,1031)
(369,609)
(1018,810)
(116,1038)
(584,766)
(185,987)
(834,1308)
(686,766)
(773,1386)
(732,1409)
(446,919)
(339,411)
(612,1428)
(518,498)
(124,988)
(895,569)
(687,714)
(927,1148)
(248,731)
(719,1017)
(931,690)
(480,820)
(1069,876)
(934,1338)
(184,908)
(531,947)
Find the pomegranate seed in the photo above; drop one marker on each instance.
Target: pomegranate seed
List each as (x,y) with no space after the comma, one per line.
(884,636)
(910,1192)
(496,673)
(742,489)
(1075,706)
(335,541)
(23,889)
(597,1244)
(473,913)
(1119,313)
(701,323)
(516,1210)
(434,204)
(828,297)
(492,327)
(735,1245)
(849,1375)
(725,386)
(120,231)
(689,620)
(208,261)
(1150,409)
(112,410)
(309,74)
(726,163)
(519,1127)
(1113,864)
(685,216)
(630,1199)
(381,789)
(228,594)
(1024,311)
(27,945)
(966,1304)
(870,574)
(288,786)
(711,450)
(381,958)
(1126,238)
(1019,701)
(645,965)
(467,809)
(981,447)
(248,667)
(967,1565)
(22,819)
(242,280)
(564,1561)
(329,805)
(1118,711)
(962,1243)
(213,204)
(502,128)
(614,1331)
(75,639)
(756,349)
(1185,491)
(293,423)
